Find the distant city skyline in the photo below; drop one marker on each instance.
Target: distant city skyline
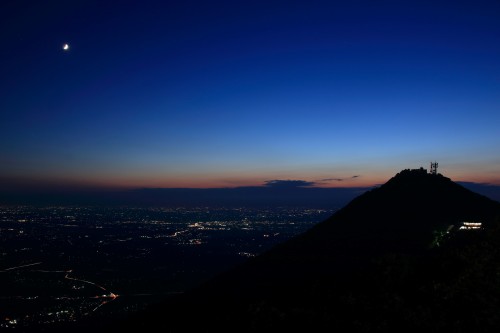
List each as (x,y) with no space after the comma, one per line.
(197,94)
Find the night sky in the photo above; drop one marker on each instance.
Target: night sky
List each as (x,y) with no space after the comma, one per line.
(237,93)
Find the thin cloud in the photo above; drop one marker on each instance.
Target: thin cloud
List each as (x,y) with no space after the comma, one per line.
(281,183)
(339,179)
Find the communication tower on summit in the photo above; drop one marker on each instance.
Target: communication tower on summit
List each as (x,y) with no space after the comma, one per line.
(434,168)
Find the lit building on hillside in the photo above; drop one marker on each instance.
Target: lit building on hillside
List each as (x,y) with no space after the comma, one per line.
(470,226)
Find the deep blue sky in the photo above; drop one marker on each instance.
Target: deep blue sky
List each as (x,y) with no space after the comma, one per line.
(233,93)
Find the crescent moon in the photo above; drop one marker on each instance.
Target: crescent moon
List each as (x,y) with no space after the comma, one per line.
(66,47)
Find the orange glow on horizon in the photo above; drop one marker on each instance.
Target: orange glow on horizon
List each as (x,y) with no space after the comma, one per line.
(119,181)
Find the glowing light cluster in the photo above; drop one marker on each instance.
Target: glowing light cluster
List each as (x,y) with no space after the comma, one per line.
(470,225)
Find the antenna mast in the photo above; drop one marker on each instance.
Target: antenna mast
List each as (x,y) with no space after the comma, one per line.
(434,168)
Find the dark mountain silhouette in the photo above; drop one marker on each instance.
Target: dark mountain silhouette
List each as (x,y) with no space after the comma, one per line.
(393,258)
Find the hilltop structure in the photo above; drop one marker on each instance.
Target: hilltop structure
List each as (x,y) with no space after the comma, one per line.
(434,167)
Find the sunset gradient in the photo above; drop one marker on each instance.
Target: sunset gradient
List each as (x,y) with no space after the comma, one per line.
(236,93)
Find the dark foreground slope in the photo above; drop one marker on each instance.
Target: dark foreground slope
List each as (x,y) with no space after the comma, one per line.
(385,261)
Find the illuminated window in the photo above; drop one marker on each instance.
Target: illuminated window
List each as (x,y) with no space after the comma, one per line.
(470,225)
